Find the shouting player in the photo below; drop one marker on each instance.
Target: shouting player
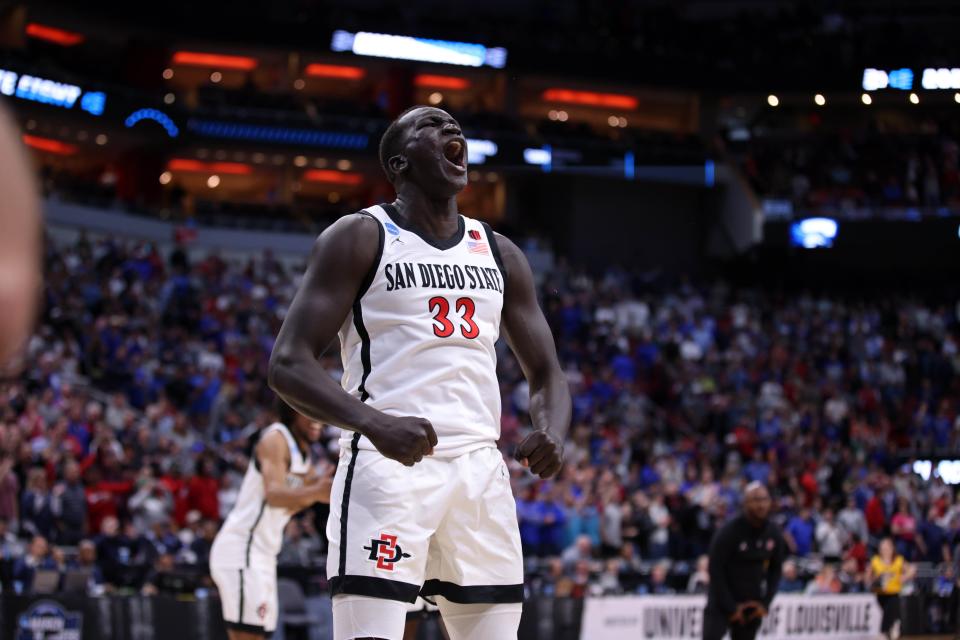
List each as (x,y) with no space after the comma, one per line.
(280,481)
(421,500)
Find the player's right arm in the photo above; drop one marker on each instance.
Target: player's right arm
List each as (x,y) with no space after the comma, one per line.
(273,458)
(342,257)
(21,252)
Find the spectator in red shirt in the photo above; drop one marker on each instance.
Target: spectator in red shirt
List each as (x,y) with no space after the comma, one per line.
(876,518)
(103,497)
(176,484)
(202,490)
(857,551)
(903,526)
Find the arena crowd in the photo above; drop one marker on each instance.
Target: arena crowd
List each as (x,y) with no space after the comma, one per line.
(123,442)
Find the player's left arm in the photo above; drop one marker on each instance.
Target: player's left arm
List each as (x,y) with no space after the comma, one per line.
(273,457)
(528,335)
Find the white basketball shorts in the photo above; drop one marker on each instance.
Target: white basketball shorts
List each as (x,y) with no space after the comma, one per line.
(248,597)
(445,526)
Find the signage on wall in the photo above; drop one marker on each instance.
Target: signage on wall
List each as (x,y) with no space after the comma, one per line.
(931,79)
(46,91)
(48,620)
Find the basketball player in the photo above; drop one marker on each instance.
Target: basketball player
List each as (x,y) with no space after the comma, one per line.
(243,559)
(421,500)
(20,248)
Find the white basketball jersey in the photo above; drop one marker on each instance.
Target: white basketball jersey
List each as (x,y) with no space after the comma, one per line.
(420,338)
(254,529)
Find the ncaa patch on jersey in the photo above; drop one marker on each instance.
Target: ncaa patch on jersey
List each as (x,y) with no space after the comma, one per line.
(392,228)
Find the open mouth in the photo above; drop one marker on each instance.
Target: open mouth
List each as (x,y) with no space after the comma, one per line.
(455,153)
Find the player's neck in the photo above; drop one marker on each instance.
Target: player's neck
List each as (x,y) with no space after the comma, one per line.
(438,218)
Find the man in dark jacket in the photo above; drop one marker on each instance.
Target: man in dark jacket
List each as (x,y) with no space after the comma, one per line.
(746,557)
(69,505)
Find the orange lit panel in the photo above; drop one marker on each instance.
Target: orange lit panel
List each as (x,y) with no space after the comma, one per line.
(440,82)
(49,145)
(228,168)
(334,71)
(590,98)
(52,34)
(336,177)
(231,168)
(185,164)
(216,60)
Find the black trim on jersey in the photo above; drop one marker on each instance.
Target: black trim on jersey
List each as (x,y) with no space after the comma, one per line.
(240,610)
(492,239)
(374,587)
(358,314)
(263,504)
(362,388)
(443,245)
(252,447)
(479,594)
(248,628)
(423,613)
(345,506)
(364,348)
(372,272)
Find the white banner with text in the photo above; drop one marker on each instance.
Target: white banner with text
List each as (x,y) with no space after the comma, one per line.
(791,617)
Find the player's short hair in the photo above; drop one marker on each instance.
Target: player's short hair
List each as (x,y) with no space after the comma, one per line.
(284,412)
(391,140)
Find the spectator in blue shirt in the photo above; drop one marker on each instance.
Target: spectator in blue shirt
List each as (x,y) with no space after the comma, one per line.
(790,581)
(658,581)
(757,470)
(581,517)
(934,543)
(530,516)
(38,557)
(36,505)
(552,535)
(799,533)
(86,560)
(581,550)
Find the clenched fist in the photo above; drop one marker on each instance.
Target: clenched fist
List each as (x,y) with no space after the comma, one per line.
(542,453)
(405,440)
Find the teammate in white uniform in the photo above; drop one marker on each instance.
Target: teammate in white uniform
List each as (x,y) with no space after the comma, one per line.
(421,501)
(280,481)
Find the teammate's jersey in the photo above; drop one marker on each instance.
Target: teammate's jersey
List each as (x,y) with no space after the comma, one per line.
(254,529)
(420,338)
